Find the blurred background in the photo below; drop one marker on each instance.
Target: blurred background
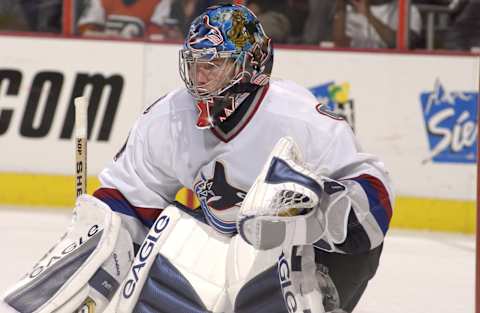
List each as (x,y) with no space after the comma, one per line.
(403,73)
(432,24)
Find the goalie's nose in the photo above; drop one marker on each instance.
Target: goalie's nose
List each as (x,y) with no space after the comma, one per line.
(202,75)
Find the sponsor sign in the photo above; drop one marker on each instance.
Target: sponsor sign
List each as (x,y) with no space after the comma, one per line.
(451,123)
(416,112)
(429,155)
(37,92)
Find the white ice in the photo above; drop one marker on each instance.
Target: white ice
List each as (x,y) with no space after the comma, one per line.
(420,272)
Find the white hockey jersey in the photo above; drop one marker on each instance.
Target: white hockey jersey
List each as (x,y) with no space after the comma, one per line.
(165,151)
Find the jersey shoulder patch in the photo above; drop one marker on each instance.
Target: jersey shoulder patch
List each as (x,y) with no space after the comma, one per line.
(324,110)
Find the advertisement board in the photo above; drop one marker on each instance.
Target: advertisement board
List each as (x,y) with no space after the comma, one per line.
(39,79)
(417,112)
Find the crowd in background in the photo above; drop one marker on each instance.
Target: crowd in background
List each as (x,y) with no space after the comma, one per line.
(433,24)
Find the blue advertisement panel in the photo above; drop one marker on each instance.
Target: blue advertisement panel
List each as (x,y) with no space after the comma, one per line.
(451,123)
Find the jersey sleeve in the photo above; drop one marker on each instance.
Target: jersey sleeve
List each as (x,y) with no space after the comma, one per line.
(140,182)
(369,189)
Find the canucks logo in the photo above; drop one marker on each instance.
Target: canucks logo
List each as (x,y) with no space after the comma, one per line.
(336,99)
(451,123)
(219,199)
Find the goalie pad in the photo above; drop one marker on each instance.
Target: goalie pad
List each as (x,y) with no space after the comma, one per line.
(180,267)
(289,205)
(281,280)
(184,265)
(82,271)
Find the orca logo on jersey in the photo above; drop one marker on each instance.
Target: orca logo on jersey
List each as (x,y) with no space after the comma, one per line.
(143,254)
(283,268)
(217,193)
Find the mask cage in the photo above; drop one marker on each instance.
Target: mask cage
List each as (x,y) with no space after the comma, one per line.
(189,59)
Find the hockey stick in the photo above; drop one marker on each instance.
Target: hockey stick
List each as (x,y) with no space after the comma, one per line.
(81,105)
(81,122)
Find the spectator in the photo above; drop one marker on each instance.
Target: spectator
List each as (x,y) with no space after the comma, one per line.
(270,14)
(319,24)
(465,31)
(185,11)
(43,15)
(128,19)
(371,23)
(11,16)
(297,12)
(431,2)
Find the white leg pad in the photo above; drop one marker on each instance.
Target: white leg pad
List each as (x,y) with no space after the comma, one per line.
(181,259)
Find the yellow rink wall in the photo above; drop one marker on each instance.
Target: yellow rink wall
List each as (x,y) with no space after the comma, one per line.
(409,212)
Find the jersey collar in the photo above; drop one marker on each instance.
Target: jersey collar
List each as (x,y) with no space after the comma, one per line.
(232,126)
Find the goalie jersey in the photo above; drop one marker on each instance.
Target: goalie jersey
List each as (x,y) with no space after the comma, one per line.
(166,151)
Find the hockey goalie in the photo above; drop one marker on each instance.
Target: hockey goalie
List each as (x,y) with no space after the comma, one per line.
(292,211)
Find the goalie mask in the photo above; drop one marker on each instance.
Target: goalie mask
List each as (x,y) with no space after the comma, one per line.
(226,56)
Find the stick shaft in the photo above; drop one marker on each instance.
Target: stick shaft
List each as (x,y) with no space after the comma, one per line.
(81,145)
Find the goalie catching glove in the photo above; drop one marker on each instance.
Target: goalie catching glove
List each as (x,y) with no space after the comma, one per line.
(289,205)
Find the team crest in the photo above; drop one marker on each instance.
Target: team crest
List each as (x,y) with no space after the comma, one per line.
(217,193)
(219,200)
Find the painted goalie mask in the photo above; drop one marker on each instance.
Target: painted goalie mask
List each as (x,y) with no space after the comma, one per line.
(226,56)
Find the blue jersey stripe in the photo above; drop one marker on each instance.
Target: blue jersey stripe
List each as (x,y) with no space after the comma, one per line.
(375,196)
(218,224)
(123,207)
